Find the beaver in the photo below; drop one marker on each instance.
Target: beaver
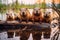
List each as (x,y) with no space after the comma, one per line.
(9,17)
(25,14)
(49,17)
(37,15)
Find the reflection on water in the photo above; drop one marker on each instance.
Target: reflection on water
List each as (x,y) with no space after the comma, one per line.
(4,36)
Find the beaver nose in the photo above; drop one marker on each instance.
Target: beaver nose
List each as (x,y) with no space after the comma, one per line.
(46,15)
(36,11)
(23,12)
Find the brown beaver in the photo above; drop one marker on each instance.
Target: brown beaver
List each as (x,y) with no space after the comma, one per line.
(24,14)
(37,15)
(49,17)
(9,17)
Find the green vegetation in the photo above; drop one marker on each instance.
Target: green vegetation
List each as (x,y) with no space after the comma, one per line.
(3,7)
(43,5)
(17,6)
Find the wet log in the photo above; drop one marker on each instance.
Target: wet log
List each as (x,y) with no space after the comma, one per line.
(26,26)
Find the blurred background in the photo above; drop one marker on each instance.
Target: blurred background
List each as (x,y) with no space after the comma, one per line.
(16,4)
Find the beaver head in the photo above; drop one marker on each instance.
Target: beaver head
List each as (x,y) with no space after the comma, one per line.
(36,12)
(47,14)
(23,12)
